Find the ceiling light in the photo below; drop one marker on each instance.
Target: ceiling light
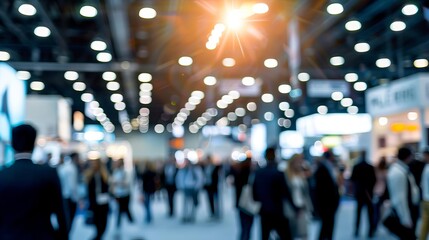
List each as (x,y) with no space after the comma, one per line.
(251,106)
(271,63)
(360,86)
(337,61)
(362,47)
(228,62)
(231,116)
(260,8)
(353,25)
(248,81)
(42,31)
(353,110)
(79,86)
(144,112)
(120,106)
(98,45)
(145,77)
(210,81)
(410,9)
(227,99)
(234,94)
(147,13)
(284,106)
(337,96)
(109,76)
(240,112)
(27,9)
(267,97)
(88,11)
(421,63)
(221,104)
(23,75)
(198,94)
(211,45)
(346,102)
(113,86)
(146,87)
(290,113)
(104,57)
(383,121)
(234,19)
(285,88)
(269,116)
(412,116)
(116,97)
(145,93)
(145,100)
(194,101)
(303,77)
(322,109)
(398,26)
(335,8)
(94,104)
(159,128)
(71,75)
(4,56)
(87,97)
(185,61)
(383,63)
(37,86)
(351,77)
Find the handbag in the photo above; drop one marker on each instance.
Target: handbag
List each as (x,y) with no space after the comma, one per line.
(246,202)
(392,221)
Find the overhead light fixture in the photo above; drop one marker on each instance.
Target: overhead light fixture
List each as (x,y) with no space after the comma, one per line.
(23,75)
(145,77)
(235,19)
(231,116)
(211,45)
(27,9)
(98,45)
(79,86)
(88,11)
(104,57)
(412,116)
(352,110)
(397,26)
(267,97)
(383,63)
(351,77)
(360,86)
(285,88)
(251,106)
(303,77)
(240,112)
(335,8)
(37,86)
(269,116)
(147,13)
(353,25)
(109,76)
(337,96)
(116,97)
(362,47)
(113,86)
(271,63)
(185,61)
(87,97)
(260,8)
(4,56)
(234,94)
(421,63)
(146,87)
(248,81)
(42,31)
(284,106)
(210,81)
(337,61)
(120,106)
(346,102)
(290,113)
(322,109)
(410,9)
(383,121)
(71,75)
(228,62)
(221,104)
(159,128)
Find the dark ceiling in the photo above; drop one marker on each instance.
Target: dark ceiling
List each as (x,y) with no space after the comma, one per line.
(182,27)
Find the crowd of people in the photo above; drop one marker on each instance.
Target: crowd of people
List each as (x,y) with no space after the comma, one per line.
(395,194)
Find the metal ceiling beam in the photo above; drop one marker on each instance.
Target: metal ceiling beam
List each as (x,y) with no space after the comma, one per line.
(11,26)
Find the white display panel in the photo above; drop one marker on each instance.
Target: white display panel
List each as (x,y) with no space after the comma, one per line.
(258,140)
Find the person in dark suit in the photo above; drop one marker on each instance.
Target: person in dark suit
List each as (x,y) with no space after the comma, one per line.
(270,189)
(168,179)
(30,194)
(327,195)
(363,178)
(211,184)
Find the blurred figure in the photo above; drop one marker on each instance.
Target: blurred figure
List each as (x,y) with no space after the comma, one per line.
(241,173)
(169,182)
(190,180)
(30,194)
(297,179)
(68,173)
(149,178)
(97,178)
(424,228)
(327,197)
(270,188)
(404,194)
(120,184)
(416,167)
(211,181)
(380,190)
(363,178)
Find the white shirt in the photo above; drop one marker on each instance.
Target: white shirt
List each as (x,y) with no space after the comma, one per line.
(425,183)
(68,175)
(397,184)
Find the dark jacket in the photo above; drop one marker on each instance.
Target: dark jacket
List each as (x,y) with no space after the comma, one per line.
(270,188)
(363,178)
(149,179)
(92,191)
(241,177)
(29,194)
(214,178)
(327,197)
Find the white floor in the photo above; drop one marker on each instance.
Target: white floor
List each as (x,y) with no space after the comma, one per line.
(163,228)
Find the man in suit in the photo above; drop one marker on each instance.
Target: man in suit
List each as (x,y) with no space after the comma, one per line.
(327,195)
(30,194)
(271,190)
(363,178)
